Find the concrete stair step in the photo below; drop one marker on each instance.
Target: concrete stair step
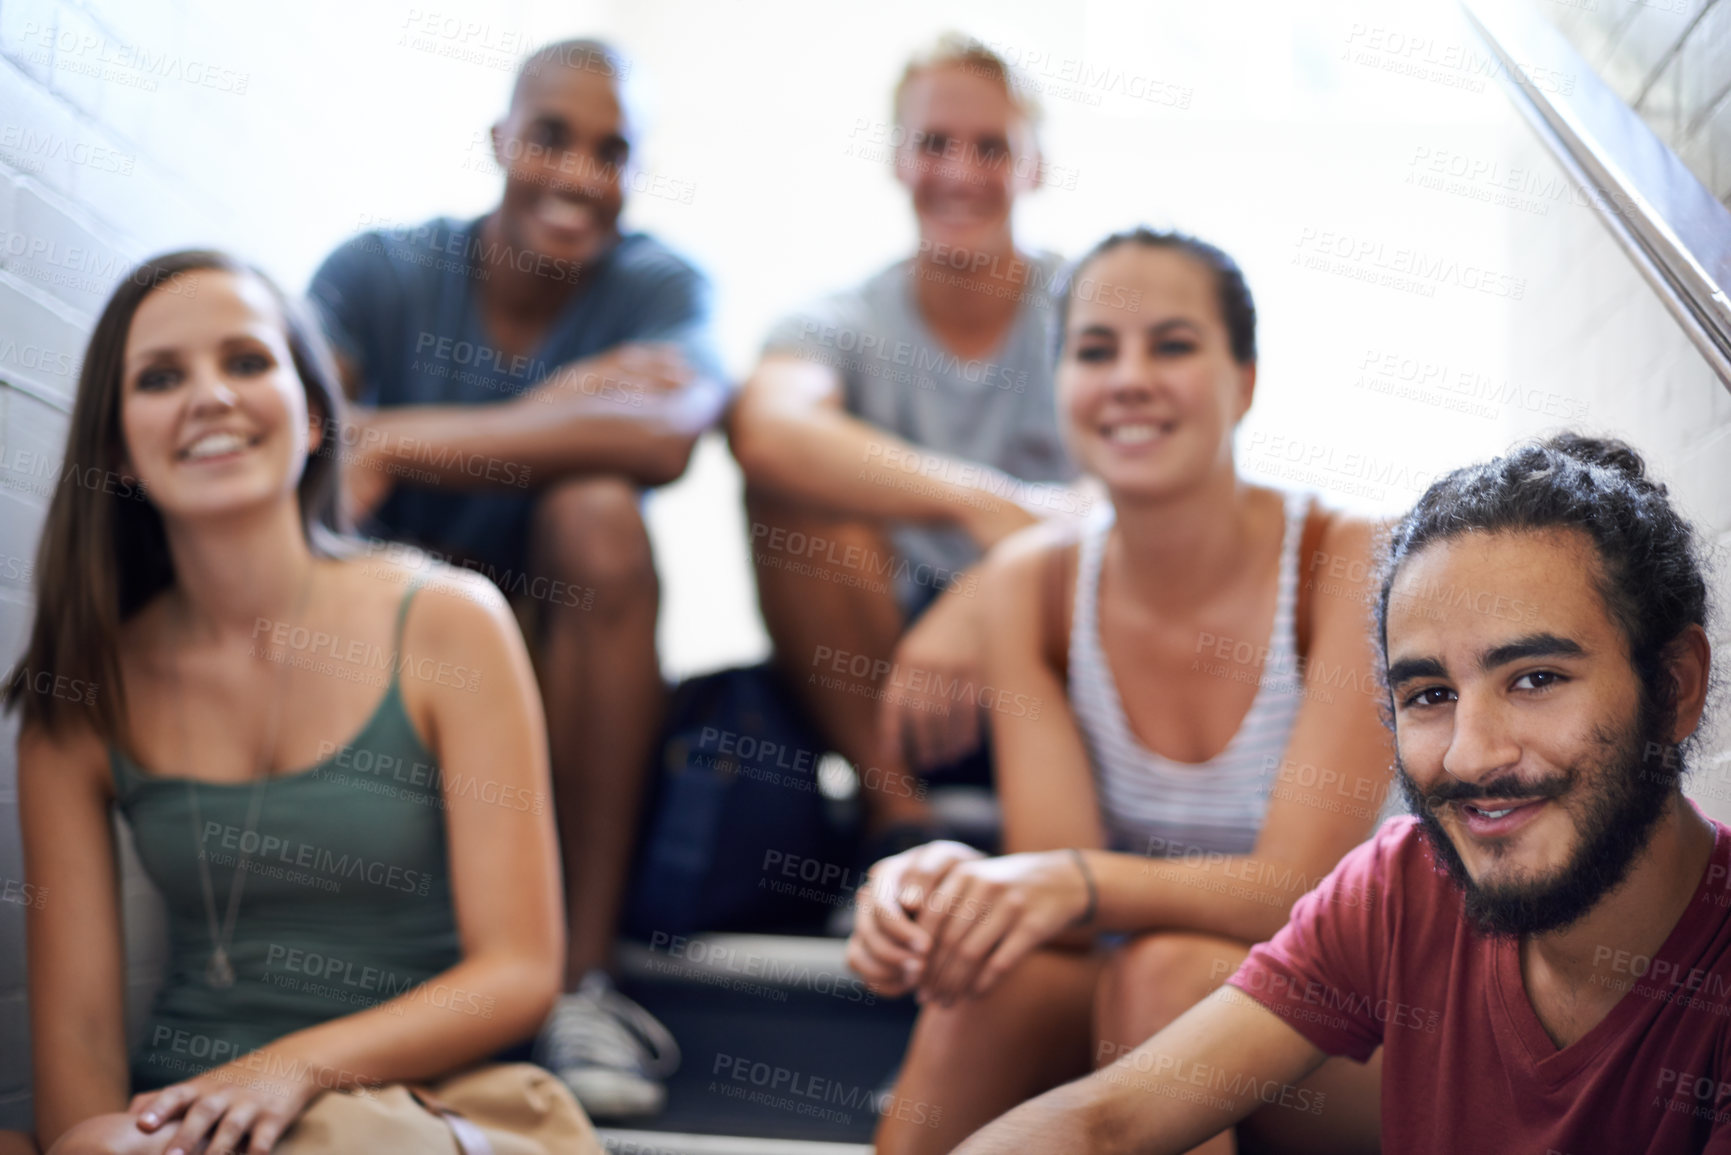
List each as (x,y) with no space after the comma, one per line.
(780,1042)
(622,1142)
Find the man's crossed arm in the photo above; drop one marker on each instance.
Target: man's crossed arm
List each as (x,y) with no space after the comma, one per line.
(635,411)
(1194,1079)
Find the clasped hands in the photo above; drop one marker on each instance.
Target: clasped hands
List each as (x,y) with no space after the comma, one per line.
(948,922)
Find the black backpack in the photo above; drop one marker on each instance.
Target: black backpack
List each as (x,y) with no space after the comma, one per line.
(736,835)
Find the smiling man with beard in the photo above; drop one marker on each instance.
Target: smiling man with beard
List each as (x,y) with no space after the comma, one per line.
(524,376)
(1615,793)
(1544,951)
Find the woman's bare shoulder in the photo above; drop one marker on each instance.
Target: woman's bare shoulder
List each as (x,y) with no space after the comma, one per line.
(1349,535)
(452,606)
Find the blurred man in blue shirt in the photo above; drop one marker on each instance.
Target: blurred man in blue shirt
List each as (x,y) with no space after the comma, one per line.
(522,378)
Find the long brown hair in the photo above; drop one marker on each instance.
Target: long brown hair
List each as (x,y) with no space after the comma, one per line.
(104,552)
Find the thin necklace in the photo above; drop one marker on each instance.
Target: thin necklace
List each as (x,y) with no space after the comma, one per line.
(219,971)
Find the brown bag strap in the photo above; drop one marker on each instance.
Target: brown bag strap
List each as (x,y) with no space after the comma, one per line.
(1310,557)
(1055,603)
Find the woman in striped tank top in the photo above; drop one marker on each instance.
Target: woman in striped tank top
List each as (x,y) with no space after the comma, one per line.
(1204,749)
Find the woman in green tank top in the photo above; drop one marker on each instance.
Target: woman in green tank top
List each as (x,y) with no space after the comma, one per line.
(334,768)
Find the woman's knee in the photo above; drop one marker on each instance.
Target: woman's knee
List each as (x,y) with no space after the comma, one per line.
(946,1030)
(1154,978)
(112,1134)
(591,533)
(1045,997)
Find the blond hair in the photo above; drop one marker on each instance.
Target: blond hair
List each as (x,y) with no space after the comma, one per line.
(955,50)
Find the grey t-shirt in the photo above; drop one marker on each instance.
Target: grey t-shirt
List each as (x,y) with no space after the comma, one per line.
(997,410)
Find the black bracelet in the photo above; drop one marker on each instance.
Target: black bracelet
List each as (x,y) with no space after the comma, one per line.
(1087,915)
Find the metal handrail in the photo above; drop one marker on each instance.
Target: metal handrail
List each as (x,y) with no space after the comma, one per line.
(1673,229)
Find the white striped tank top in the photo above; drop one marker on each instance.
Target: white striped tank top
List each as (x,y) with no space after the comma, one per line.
(1154,805)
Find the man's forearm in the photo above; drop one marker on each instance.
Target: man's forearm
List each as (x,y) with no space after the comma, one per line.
(520,443)
(1202,1074)
(1118,1110)
(849,468)
(1065,1121)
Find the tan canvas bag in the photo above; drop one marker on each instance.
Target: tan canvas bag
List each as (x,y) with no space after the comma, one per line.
(500,1109)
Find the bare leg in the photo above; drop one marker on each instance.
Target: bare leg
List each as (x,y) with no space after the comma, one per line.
(847,605)
(603,694)
(970,1062)
(112,1134)
(1157,977)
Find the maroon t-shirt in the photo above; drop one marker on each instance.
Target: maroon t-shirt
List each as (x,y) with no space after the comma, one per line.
(1382,954)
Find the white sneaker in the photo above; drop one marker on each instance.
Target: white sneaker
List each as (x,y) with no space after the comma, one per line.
(611,1052)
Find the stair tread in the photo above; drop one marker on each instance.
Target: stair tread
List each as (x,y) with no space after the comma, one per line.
(618,1141)
(771,958)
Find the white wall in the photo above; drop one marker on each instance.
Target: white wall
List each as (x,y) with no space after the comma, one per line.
(1306,137)
(1670,60)
(1599,337)
(1270,133)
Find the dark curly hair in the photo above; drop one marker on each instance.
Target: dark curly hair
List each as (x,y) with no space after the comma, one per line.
(1652,570)
(1237,306)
